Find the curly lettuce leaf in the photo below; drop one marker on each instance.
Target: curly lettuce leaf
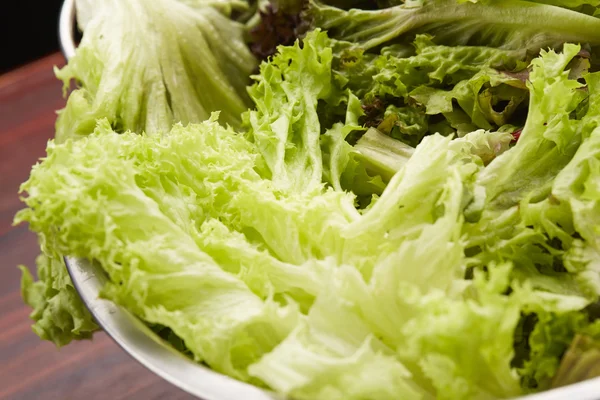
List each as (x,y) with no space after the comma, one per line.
(548,140)
(474,366)
(479,97)
(285,125)
(375,306)
(434,89)
(59,314)
(549,340)
(428,64)
(134,213)
(334,355)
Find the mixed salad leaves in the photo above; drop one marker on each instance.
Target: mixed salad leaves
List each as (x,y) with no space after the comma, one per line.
(334,200)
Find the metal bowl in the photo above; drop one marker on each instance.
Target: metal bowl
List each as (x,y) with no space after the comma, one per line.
(155,354)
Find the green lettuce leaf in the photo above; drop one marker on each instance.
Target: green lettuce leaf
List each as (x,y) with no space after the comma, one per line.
(369,322)
(549,139)
(143,76)
(59,314)
(507,24)
(427,64)
(531,190)
(285,125)
(221,321)
(551,337)
(146,65)
(477,366)
(478,97)
(334,355)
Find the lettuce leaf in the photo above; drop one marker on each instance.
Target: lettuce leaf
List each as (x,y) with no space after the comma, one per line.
(552,335)
(220,320)
(433,89)
(375,306)
(478,97)
(507,24)
(334,355)
(59,314)
(549,139)
(285,125)
(515,215)
(146,65)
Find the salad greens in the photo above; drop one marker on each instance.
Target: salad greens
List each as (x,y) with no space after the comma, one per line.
(404,202)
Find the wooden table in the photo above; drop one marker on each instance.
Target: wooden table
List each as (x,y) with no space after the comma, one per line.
(31,368)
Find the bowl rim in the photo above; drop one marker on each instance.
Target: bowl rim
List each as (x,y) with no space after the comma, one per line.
(66,29)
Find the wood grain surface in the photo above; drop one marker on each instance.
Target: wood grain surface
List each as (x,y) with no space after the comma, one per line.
(29,367)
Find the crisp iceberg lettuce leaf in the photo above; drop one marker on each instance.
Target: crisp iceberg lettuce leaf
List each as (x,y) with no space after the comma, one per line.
(59,314)
(146,65)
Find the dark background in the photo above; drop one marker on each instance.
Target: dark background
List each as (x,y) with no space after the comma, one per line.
(28,31)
